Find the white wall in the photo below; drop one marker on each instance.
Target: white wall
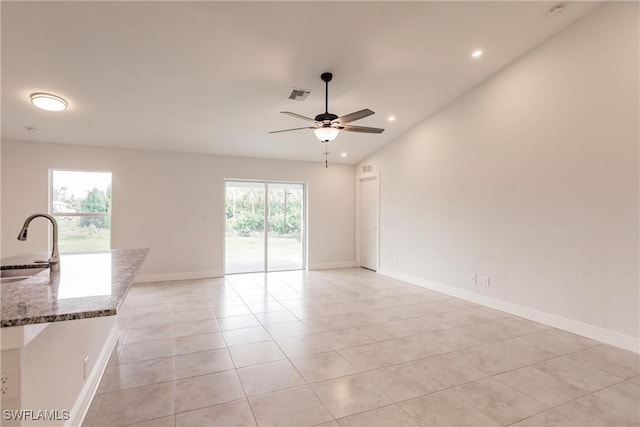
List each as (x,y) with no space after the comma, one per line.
(173,203)
(531,178)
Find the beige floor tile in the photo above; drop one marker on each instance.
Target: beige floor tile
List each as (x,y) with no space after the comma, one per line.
(275,317)
(491,360)
(191,306)
(152,320)
(207,390)
(199,342)
(322,366)
(328,424)
(232,310)
(578,373)
(286,329)
(444,408)
(388,416)
(292,407)
(193,315)
(397,329)
(157,422)
(556,342)
(196,327)
(543,387)
(269,377)
(238,322)
(501,402)
(371,356)
(612,406)
(233,414)
(606,358)
(136,404)
(246,336)
(550,418)
(449,369)
(154,309)
(149,333)
(304,345)
(256,353)
(402,382)
(145,350)
(202,362)
(265,307)
(349,395)
(138,374)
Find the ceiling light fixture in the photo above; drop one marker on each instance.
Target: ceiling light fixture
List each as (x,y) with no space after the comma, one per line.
(326,134)
(476,53)
(46,101)
(344,154)
(392,118)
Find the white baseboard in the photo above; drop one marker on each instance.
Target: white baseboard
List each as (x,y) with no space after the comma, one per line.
(189,275)
(332,265)
(80,408)
(606,336)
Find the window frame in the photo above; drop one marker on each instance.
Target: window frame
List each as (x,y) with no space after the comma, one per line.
(56,215)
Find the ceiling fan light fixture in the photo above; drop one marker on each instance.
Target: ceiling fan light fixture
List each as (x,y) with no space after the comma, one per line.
(49,102)
(326,134)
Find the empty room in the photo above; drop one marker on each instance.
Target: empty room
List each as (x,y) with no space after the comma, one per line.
(301,213)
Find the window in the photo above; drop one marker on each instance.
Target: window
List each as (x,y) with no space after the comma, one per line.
(81,204)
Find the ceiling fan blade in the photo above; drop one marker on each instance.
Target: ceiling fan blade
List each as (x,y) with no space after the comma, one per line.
(354,116)
(309,119)
(363,129)
(288,130)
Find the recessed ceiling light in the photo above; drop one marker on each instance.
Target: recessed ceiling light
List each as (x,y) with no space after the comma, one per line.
(392,118)
(476,53)
(48,102)
(344,154)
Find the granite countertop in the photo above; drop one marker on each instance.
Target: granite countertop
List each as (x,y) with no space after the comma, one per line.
(87,285)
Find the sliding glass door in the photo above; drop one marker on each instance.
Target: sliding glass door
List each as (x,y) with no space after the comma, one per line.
(264,228)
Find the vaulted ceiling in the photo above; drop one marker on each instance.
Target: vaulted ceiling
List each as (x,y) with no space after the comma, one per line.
(212,77)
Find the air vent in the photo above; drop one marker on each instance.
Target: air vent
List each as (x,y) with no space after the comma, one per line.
(299,94)
(367,168)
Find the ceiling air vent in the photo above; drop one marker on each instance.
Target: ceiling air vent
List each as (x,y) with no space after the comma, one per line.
(367,168)
(299,94)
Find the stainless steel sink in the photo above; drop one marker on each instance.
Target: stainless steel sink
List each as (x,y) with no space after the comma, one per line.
(16,274)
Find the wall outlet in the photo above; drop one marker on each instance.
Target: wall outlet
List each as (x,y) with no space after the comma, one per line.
(486,280)
(474,279)
(85,365)
(9,384)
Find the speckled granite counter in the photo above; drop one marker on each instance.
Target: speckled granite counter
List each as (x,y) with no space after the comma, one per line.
(87,285)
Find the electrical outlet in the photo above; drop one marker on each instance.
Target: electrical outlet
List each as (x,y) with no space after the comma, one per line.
(486,280)
(474,279)
(84,367)
(9,384)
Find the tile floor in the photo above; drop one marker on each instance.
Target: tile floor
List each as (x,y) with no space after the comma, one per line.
(349,348)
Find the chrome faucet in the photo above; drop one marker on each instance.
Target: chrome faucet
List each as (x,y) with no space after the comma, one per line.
(54,259)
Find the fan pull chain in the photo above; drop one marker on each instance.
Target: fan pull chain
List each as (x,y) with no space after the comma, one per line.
(326,155)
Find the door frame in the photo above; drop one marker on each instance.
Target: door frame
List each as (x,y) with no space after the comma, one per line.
(375,176)
(305,221)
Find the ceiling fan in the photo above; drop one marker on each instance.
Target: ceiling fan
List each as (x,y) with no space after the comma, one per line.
(326,125)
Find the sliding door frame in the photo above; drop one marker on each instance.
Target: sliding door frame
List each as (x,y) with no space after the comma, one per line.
(303,232)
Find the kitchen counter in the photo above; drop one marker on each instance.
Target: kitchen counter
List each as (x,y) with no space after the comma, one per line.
(88,285)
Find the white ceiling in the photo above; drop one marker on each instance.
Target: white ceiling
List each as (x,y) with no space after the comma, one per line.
(211,77)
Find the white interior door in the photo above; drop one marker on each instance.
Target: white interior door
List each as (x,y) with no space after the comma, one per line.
(369,223)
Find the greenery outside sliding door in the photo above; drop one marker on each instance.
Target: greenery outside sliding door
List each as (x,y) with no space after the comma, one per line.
(264,228)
